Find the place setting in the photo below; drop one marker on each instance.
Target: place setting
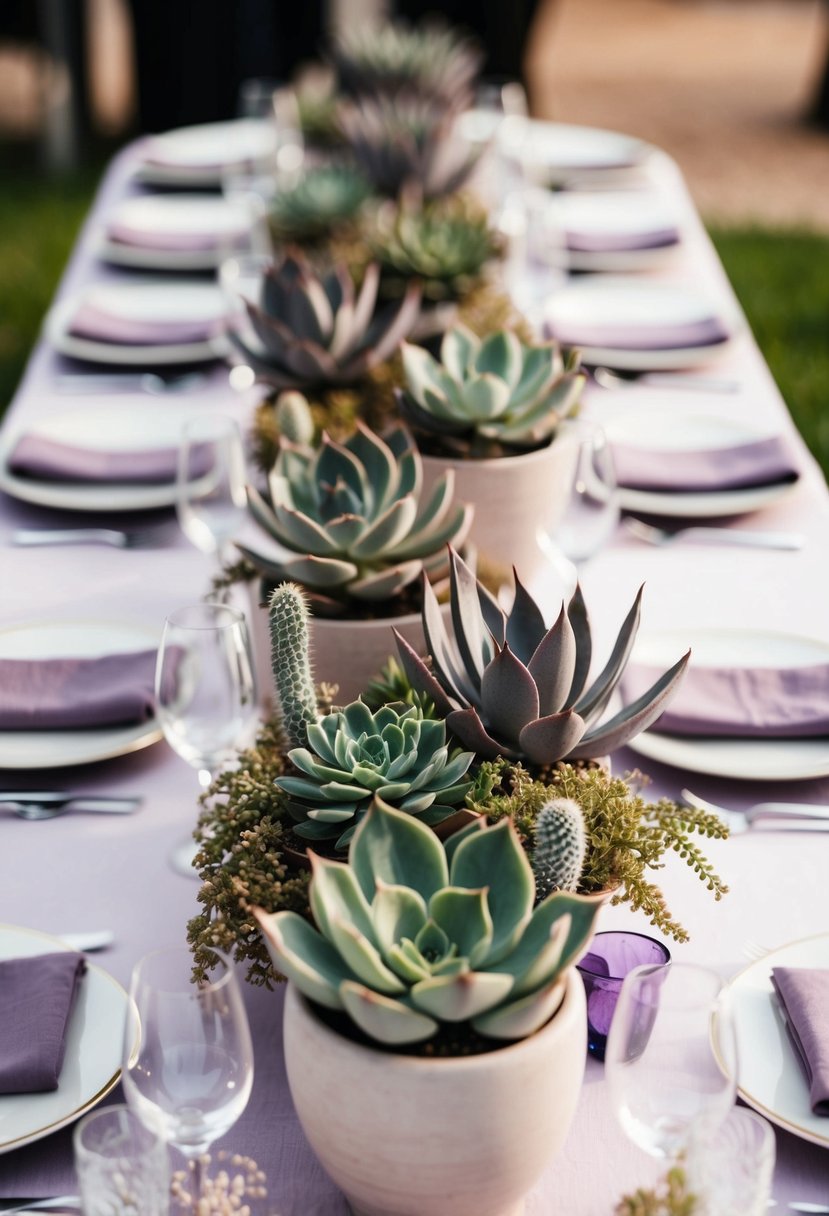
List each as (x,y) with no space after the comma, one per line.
(141,323)
(184,232)
(197,155)
(607,232)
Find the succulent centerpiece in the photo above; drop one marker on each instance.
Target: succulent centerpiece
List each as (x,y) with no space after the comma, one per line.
(495,411)
(311,330)
(325,199)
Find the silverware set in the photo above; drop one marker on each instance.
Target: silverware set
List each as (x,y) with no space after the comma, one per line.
(766,816)
(47,804)
(734,537)
(140,538)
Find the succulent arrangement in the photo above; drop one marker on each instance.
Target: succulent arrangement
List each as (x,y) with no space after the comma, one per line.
(414,933)
(445,247)
(431,61)
(487,397)
(354,516)
(308,329)
(509,686)
(406,142)
(324,198)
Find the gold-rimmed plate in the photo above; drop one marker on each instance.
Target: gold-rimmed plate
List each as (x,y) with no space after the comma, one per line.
(770,1075)
(92,1064)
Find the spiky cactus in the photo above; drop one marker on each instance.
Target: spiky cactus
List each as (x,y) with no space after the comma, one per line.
(560,843)
(291,662)
(293,417)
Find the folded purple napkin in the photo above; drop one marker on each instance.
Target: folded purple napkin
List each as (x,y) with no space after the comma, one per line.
(101,326)
(741,702)
(706,332)
(36,455)
(76,693)
(758,463)
(619,242)
(36,999)
(804,999)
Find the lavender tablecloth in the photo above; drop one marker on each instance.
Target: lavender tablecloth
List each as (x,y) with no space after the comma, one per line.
(89,872)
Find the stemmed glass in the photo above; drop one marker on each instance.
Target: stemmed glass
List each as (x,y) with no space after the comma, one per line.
(591,511)
(211,494)
(205,692)
(671,1057)
(188,1057)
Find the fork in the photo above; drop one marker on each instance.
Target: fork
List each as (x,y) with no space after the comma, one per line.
(144,382)
(717,536)
(139,539)
(47,805)
(606,377)
(59,1203)
(781,816)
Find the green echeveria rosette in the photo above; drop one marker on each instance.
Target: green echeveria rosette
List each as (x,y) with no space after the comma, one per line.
(446,249)
(310,330)
(430,61)
(354,519)
(485,397)
(509,686)
(414,933)
(354,755)
(325,198)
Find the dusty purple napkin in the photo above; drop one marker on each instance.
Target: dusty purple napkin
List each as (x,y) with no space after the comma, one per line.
(619,242)
(36,999)
(101,326)
(707,332)
(70,693)
(741,702)
(804,999)
(124,234)
(758,463)
(36,455)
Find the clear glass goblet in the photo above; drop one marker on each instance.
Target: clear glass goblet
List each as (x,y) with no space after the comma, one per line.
(211,485)
(671,1057)
(205,693)
(188,1056)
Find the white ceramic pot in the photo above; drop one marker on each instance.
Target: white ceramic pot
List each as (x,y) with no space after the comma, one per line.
(513,497)
(343,652)
(409,1136)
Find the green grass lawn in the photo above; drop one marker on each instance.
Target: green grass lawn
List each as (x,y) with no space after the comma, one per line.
(779,275)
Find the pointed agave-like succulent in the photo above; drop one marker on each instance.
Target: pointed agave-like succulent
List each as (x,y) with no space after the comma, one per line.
(490,395)
(309,331)
(414,933)
(404,142)
(353,755)
(430,61)
(508,686)
(354,519)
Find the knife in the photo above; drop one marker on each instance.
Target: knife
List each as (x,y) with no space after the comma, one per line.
(61,1203)
(86,802)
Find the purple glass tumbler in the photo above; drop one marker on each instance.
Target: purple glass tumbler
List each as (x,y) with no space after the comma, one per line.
(610,957)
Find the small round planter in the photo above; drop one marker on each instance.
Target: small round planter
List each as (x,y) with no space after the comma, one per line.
(343,652)
(515,498)
(408,1136)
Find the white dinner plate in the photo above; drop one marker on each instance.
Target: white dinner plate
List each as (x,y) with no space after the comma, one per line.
(173,218)
(688,430)
(553,152)
(92,1064)
(158,424)
(196,156)
(770,1075)
(628,301)
(39,749)
(623,217)
(742,759)
(142,300)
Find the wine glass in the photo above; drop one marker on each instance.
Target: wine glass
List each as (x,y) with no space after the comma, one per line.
(205,693)
(671,1057)
(211,494)
(591,508)
(188,1057)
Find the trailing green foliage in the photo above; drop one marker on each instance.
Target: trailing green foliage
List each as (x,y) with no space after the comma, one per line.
(241,834)
(627,837)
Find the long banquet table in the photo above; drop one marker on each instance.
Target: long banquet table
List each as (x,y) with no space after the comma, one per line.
(83,872)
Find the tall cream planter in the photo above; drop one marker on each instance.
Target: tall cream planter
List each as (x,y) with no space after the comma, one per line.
(343,652)
(513,497)
(409,1136)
